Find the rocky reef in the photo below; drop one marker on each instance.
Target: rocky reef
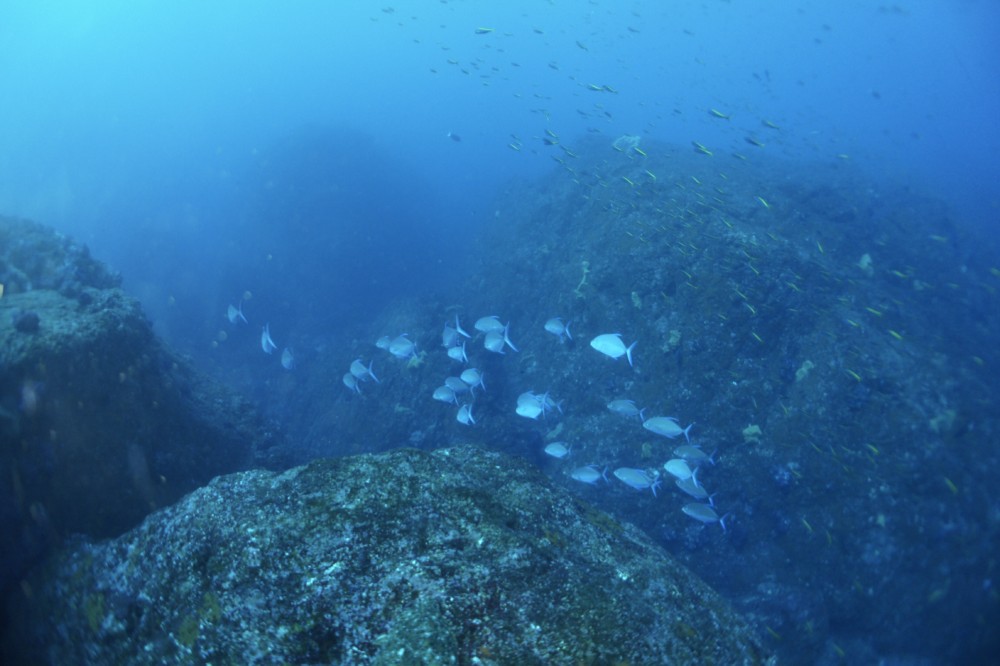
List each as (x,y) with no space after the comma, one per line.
(455,556)
(99,423)
(832,338)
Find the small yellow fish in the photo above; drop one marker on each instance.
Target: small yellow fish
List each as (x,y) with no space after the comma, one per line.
(483,31)
(718,114)
(753,142)
(769,124)
(698,148)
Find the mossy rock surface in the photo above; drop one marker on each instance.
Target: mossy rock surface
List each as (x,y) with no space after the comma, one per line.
(454,556)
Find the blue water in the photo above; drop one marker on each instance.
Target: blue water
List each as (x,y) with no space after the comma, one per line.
(324,159)
(138,127)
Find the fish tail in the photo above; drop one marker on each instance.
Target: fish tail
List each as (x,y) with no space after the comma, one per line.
(507,339)
(458,328)
(628,352)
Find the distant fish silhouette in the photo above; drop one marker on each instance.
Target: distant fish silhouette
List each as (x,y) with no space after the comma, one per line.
(234,314)
(266,343)
(453,136)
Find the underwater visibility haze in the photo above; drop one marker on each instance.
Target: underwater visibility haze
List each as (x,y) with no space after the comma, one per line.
(512,332)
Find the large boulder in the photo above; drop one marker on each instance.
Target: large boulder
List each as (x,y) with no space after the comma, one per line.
(453,556)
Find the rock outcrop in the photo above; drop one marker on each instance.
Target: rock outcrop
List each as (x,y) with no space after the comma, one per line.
(99,423)
(455,556)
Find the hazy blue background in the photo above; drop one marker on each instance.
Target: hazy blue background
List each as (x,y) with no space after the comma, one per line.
(207,148)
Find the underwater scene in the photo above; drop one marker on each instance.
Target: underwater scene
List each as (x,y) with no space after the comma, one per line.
(534,332)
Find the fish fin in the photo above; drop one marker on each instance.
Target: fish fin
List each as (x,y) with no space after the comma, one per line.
(507,339)
(628,352)
(688,439)
(458,328)
(722,521)
(372,374)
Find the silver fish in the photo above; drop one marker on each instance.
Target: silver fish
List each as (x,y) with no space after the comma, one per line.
(556,327)
(488,324)
(445,394)
(694,454)
(677,468)
(403,347)
(588,474)
(450,335)
(691,486)
(529,405)
(383,342)
(464,415)
(457,353)
(610,344)
(666,426)
(625,408)
(288,358)
(351,382)
(557,450)
(456,384)
(704,513)
(639,479)
(359,370)
(473,378)
(266,343)
(495,341)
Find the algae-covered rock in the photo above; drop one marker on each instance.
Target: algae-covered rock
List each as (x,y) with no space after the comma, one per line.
(456,556)
(99,424)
